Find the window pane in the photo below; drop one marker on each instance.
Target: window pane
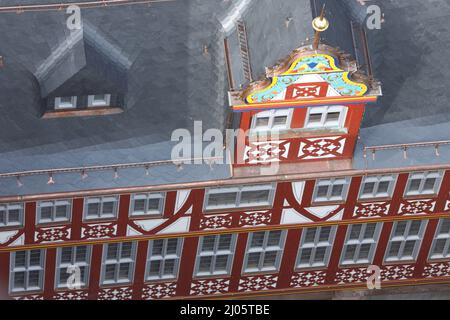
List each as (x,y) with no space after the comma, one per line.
(368,188)
(66,255)
(257,239)
(153,205)
(224,242)
(439,246)
(255,197)
(208,243)
(155,266)
(400,228)
(270,259)
(305,255)
(320,254)
(370,231)
(414,185)
(20,257)
(157,247)
(126,249)
(253,260)
(110,271)
(124,271)
(429,184)
(108,208)
(139,205)
(355,231)
(280,121)
(169,267)
(221,263)
(274,238)
(333,118)
(310,235)
(364,251)
(383,187)
(33,279)
(315,117)
(222,199)
(445,226)
(112,251)
(322,191)
(205,264)
(350,252)
(81,254)
(19,280)
(262,122)
(172,245)
(2,217)
(61,211)
(93,209)
(14,216)
(409,248)
(414,228)
(336,190)
(46,213)
(395,248)
(35,258)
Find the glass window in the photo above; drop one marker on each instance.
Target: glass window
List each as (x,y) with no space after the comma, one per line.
(118,262)
(360,243)
(163,258)
(441,241)
(331,189)
(11,214)
(272,120)
(420,183)
(215,255)
(315,247)
(264,250)
(405,240)
(54,211)
(101,207)
(27,270)
(326,117)
(73,261)
(99,100)
(377,187)
(147,204)
(66,102)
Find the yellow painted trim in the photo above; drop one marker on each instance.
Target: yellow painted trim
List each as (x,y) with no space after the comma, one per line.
(348,81)
(328,57)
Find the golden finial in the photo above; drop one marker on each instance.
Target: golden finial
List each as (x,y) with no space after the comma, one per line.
(320,24)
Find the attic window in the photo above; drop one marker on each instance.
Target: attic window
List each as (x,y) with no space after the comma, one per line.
(66,102)
(99,100)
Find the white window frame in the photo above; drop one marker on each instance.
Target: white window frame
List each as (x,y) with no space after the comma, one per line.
(104,103)
(272,114)
(27,269)
(330,183)
(100,216)
(440,236)
(214,253)
(239,190)
(403,239)
(324,111)
(59,105)
(313,246)
(117,262)
(279,249)
(84,281)
(147,196)
(391,179)
(162,258)
(373,242)
(53,204)
(423,176)
(6,208)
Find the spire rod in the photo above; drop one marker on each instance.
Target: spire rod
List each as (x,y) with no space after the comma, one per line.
(320,24)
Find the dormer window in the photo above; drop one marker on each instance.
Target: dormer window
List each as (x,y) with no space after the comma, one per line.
(66,102)
(99,100)
(332,117)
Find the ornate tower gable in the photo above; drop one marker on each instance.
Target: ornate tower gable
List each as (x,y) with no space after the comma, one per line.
(313,75)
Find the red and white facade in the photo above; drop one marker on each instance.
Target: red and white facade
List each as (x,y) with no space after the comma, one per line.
(245,236)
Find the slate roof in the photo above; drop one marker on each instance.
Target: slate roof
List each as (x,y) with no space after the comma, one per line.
(168,80)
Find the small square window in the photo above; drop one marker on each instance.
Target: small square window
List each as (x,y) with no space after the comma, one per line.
(99,100)
(66,102)
(421,183)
